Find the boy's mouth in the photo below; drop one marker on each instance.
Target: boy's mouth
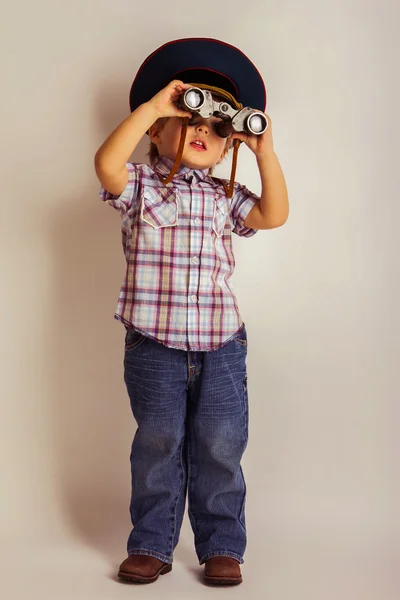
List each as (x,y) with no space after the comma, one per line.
(199,145)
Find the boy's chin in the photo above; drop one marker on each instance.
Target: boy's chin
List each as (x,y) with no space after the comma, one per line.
(199,165)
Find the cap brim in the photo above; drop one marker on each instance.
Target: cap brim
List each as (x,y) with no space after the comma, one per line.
(203,60)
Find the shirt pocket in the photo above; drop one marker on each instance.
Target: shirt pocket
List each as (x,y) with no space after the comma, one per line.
(221,214)
(159,207)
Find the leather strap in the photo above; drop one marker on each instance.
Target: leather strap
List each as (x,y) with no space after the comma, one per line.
(236,144)
(229,190)
(178,154)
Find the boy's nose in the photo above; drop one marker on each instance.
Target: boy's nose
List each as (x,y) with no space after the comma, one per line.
(203,127)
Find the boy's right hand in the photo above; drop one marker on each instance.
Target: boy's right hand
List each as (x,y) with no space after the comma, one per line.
(165,102)
(114,153)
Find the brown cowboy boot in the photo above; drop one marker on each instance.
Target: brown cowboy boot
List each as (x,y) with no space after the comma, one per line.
(222,570)
(140,568)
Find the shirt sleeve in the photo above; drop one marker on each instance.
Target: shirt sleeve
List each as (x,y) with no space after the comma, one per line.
(241,204)
(123,202)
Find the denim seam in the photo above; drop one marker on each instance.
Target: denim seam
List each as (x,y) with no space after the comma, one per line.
(179,493)
(221,553)
(193,520)
(154,553)
(246,409)
(246,420)
(242,506)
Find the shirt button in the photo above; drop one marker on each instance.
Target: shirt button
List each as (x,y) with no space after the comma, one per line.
(197,221)
(193,298)
(195,260)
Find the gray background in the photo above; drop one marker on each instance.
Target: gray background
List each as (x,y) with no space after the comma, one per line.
(319,296)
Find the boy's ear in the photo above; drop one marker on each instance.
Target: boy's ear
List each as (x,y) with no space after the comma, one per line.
(154,133)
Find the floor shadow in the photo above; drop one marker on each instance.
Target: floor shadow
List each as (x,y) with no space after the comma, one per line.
(91,421)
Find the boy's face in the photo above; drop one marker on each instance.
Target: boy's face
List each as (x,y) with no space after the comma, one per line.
(203,147)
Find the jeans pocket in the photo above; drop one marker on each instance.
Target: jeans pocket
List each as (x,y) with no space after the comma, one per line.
(241,339)
(159,207)
(133,339)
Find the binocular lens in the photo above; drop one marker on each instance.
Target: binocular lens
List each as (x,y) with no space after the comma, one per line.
(223,128)
(194,98)
(204,105)
(257,123)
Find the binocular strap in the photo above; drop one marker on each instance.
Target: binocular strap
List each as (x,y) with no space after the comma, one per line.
(229,190)
(179,153)
(236,145)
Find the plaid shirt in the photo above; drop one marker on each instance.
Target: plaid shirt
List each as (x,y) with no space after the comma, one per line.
(178,248)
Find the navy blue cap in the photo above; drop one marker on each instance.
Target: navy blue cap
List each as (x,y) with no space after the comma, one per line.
(200,60)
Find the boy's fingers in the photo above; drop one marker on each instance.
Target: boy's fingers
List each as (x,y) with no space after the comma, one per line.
(177,84)
(183,115)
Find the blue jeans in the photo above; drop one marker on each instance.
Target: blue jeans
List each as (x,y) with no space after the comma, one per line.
(191,409)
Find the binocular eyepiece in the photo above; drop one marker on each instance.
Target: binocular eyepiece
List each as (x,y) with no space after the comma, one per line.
(201,102)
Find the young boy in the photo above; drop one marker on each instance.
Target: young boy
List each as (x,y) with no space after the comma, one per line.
(185,344)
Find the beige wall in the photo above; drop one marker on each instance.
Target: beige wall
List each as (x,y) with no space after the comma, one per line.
(320,296)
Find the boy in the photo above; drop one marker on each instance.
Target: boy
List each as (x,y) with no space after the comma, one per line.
(185,344)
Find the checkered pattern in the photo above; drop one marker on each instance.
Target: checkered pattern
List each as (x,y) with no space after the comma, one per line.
(179,257)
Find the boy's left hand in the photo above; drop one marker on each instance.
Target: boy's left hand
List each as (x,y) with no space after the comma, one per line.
(259,144)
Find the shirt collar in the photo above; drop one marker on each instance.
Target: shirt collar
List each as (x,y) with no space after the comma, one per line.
(163,166)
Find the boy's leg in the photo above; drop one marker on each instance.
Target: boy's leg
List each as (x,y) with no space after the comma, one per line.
(156,380)
(217,438)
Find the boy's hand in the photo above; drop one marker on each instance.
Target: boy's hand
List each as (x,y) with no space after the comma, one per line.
(165,102)
(259,144)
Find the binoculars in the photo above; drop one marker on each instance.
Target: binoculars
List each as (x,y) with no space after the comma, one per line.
(201,102)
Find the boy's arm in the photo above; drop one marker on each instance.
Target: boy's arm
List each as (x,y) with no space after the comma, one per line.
(272,210)
(111,158)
